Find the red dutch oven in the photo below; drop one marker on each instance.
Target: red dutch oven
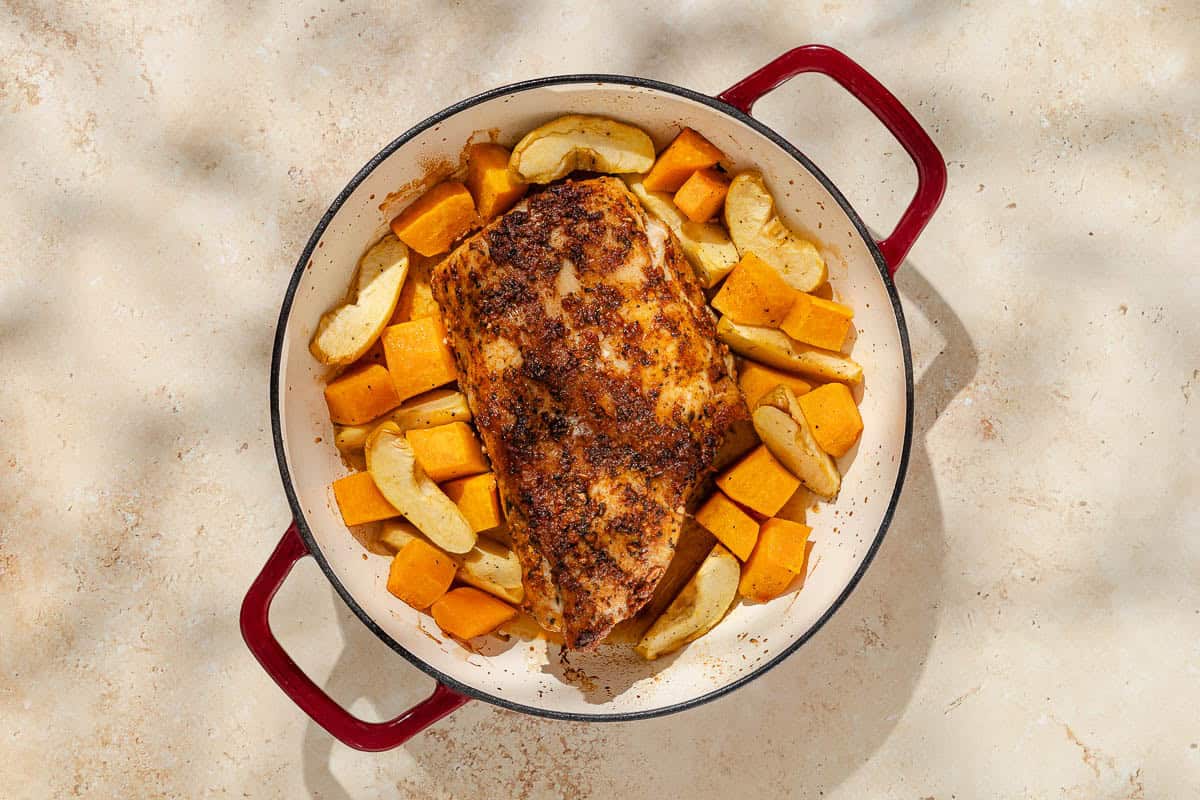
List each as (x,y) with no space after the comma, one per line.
(612,683)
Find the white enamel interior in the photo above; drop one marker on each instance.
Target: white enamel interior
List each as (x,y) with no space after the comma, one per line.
(613,680)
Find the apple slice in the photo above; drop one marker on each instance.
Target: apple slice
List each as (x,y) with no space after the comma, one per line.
(393,465)
(578,141)
(697,608)
(347,332)
(755,227)
(781,425)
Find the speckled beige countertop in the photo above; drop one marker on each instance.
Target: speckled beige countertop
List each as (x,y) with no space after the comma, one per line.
(1031,627)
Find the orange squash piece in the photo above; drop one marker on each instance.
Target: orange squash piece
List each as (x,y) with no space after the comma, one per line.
(360,501)
(494,186)
(831,413)
(478,500)
(361,395)
(447,451)
(733,527)
(687,153)
(702,195)
(779,556)
(418,357)
(420,574)
(755,294)
(467,612)
(819,322)
(759,482)
(755,380)
(416,296)
(436,219)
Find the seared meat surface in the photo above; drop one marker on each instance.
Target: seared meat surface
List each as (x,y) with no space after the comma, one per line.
(591,365)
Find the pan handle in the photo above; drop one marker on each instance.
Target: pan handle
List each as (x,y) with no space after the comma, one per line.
(346,728)
(931,169)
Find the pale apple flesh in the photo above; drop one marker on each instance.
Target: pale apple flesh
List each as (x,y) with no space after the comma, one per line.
(393,464)
(348,331)
(701,604)
(776,349)
(781,425)
(755,227)
(581,142)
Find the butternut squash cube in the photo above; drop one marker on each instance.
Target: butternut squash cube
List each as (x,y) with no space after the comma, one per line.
(360,501)
(687,153)
(436,219)
(478,500)
(833,417)
(755,380)
(494,186)
(779,556)
(418,357)
(467,612)
(448,451)
(733,527)
(702,195)
(420,574)
(759,482)
(361,395)
(416,295)
(755,294)
(819,322)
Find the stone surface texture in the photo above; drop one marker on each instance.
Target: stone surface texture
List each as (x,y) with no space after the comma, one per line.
(1031,627)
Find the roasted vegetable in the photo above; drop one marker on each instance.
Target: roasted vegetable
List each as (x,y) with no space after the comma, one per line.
(703,602)
(420,574)
(418,356)
(755,227)
(688,152)
(755,380)
(702,195)
(466,613)
(580,142)
(437,219)
(786,433)
(777,349)
(477,498)
(759,482)
(361,395)
(754,294)
(777,560)
(819,322)
(733,527)
(833,416)
(393,464)
(448,451)
(706,246)
(345,334)
(495,187)
(360,501)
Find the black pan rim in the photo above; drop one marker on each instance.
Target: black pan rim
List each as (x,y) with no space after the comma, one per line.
(277,357)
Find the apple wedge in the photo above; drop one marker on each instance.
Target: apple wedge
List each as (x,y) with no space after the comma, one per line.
(393,465)
(782,427)
(578,141)
(755,227)
(706,245)
(347,332)
(494,568)
(776,349)
(697,608)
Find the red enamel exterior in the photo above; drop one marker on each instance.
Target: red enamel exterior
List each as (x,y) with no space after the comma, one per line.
(341,724)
